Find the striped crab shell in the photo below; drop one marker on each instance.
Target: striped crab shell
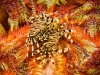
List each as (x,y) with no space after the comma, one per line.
(44,35)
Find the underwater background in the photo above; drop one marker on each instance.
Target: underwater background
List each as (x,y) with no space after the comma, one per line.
(49,37)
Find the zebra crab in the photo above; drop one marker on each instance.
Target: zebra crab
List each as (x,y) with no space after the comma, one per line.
(50,42)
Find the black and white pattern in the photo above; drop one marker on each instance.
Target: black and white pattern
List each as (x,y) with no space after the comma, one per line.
(47,31)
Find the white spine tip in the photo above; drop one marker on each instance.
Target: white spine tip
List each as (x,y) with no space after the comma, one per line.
(65,50)
(32,54)
(71,41)
(32,48)
(69,37)
(31,42)
(38,51)
(65,35)
(37,44)
(59,51)
(27,55)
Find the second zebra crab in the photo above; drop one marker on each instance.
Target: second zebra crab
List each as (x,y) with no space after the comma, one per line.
(44,37)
